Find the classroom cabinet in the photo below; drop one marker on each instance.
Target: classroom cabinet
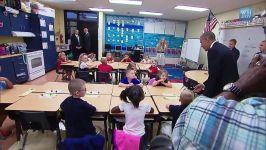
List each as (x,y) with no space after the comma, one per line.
(7,69)
(20,69)
(44,30)
(14,68)
(5,28)
(20,22)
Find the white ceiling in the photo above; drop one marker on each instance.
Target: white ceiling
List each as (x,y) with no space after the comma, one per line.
(164,6)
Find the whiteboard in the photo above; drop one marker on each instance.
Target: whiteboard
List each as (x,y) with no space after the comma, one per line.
(169,28)
(193,49)
(248,40)
(159,27)
(149,27)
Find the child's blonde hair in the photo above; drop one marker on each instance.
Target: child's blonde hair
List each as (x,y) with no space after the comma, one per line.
(75,85)
(186,97)
(61,54)
(103,60)
(132,65)
(162,71)
(80,57)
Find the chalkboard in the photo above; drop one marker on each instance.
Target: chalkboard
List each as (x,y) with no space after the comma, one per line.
(191,50)
(248,40)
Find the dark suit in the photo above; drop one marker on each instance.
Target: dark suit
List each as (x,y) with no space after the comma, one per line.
(236,53)
(222,69)
(86,43)
(74,43)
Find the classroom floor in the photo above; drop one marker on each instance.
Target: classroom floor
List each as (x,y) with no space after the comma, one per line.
(37,140)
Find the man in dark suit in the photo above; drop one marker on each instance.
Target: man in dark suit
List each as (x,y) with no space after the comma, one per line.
(232,46)
(86,41)
(76,45)
(221,63)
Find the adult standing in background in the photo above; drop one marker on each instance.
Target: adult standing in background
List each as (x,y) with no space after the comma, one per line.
(86,41)
(262,47)
(161,47)
(232,46)
(76,45)
(221,63)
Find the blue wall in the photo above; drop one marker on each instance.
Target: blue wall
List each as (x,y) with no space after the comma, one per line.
(129,31)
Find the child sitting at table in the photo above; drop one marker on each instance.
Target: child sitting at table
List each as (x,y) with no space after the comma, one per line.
(160,79)
(132,65)
(83,62)
(4,84)
(153,70)
(109,58)
(186,97)
(126,58)
(62,59)
(77,112)
(134,111)
(91,57)
(130,79)
(104,67)
(146,60)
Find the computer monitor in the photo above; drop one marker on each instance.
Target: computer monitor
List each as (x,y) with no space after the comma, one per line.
(130,48)
(118,48)
(108,46)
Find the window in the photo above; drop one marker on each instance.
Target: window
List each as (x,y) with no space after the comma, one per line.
(88,17)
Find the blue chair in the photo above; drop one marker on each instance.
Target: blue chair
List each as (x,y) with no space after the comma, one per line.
(85,143)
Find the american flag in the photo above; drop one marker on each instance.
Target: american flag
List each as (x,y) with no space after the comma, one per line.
(210,23)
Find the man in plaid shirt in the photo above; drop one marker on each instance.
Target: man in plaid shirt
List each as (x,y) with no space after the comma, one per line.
(228,121)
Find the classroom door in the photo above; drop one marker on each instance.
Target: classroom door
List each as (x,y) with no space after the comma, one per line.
(93,30)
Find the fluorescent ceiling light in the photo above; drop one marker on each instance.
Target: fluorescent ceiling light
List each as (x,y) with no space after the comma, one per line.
(190,8)
(128,2)
(101,9)
(59,1)
(150,13)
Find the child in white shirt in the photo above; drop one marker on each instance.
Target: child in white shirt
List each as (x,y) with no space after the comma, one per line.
(83,62)
(134,110)
(146,60)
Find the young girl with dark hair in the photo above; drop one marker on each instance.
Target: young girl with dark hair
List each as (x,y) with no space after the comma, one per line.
(134,110)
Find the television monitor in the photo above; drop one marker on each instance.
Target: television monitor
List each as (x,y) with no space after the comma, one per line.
(130,48)
(118,48)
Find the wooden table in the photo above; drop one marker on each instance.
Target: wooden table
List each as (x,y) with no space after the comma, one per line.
(117,90)
(162,90)
(123,65)
(99,88)
(115,65)
(143,67)
(161,101)
(53,87)
(35,102)
(101,102)
(197,75)
(38,102)
(115,101)
(72,63)
(10,96)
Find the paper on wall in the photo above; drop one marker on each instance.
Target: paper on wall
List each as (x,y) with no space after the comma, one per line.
(44,34)
(51,27)
(44,45)
(51,38)
(42,23)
